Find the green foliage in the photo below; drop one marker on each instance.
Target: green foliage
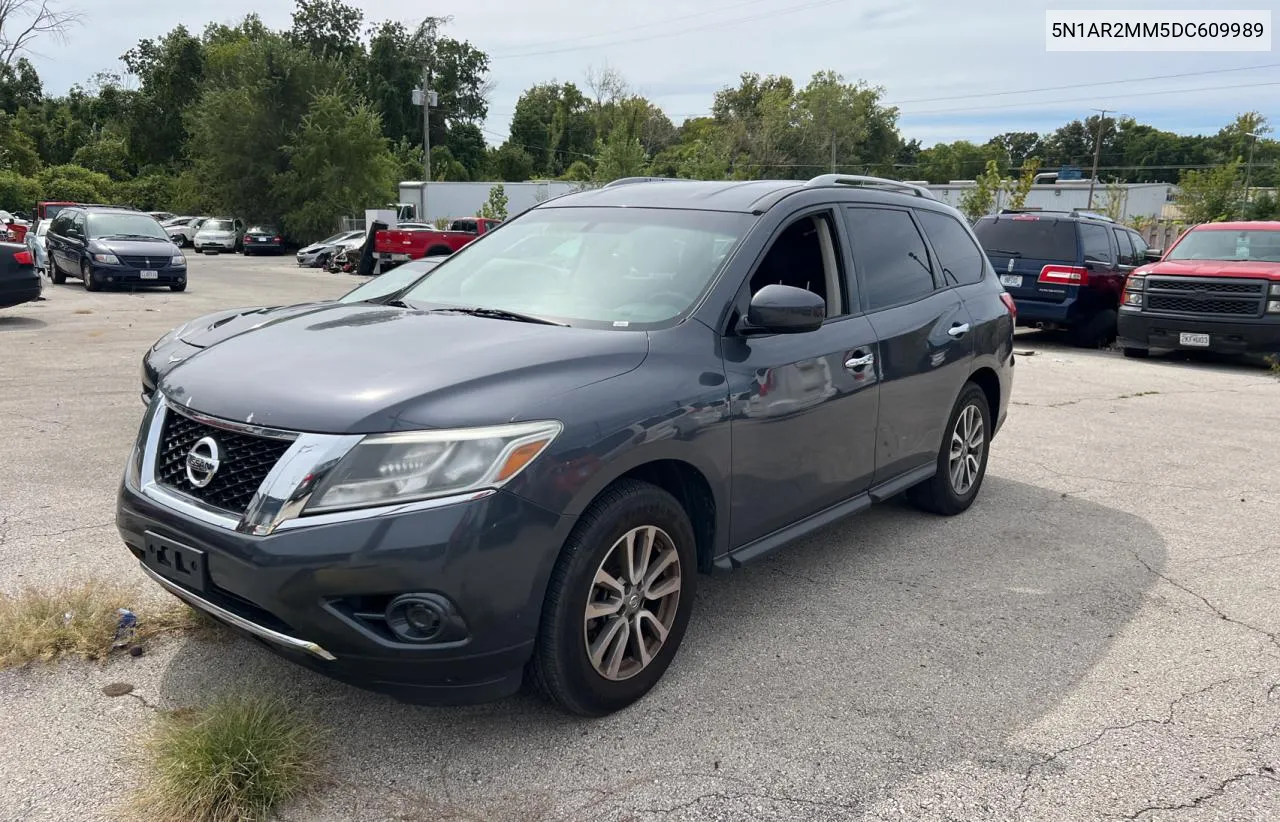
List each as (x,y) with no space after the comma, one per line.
(981,199)
(444,168)
(495,208)
(18,193)
(1020,188)
(1263,206)
(511,163)
(76,184)
(109,156)
(621,155)
(1210,195)
(338,163)
(152,192)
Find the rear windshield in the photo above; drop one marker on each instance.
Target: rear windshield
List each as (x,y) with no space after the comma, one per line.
(1225,244)
(262,229)
(1032,237)
(218,225)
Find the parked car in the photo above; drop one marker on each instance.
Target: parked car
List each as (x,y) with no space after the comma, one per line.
(262,238)
(182,230)
(398,245)
(35,242)
(19,280)
(1216,289)
(191,337)
(161,216)
(219,234)
(317,254)
(106,246)
(432,495)
(1064,270)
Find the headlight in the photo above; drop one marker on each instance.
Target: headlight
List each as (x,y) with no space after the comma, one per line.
(1275,289)
(391,468)
(178,259)
(109,259)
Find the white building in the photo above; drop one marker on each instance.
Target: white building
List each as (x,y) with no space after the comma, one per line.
(1136,199)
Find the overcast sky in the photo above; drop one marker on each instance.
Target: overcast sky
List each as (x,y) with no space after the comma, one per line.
(957,70)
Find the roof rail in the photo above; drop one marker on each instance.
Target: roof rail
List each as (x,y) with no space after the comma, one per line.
(1074,212)
(869,182)
(622,181)
(1092,215)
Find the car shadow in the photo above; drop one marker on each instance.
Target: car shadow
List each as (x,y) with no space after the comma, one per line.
(876,649)
(12,323)
(1056,342)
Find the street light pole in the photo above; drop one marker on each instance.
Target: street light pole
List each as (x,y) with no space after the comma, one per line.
(1248,174)
(1097,154)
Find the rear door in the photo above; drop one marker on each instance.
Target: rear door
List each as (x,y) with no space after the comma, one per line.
(1106,275)
(1020,246)
(924,332)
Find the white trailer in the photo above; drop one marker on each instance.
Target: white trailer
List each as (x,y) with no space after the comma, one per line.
(465,199)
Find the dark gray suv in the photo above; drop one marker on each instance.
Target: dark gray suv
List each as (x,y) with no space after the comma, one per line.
(517,467)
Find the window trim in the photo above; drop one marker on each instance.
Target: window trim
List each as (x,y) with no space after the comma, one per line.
(863,292)
(984,261)
(742,297)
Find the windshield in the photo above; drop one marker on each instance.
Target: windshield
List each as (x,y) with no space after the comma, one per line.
(393,281)
(129,225)
(1257,245)
(1028,236)
(602,267)
(261,229)
(217,225)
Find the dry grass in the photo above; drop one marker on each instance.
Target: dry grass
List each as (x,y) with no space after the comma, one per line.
(80,621)
(234,761)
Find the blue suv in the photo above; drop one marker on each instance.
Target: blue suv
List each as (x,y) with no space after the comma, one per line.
(517,466)
(1064,270)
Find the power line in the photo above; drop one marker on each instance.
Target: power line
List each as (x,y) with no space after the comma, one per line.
(718,24)
(979,109)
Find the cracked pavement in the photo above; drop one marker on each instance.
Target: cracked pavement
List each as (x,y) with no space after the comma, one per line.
(1097,639)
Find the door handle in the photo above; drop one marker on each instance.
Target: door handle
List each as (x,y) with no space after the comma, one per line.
(958,330)
(860,362)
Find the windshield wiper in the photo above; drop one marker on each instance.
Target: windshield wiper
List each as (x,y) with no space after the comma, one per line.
(497,314)
(1002,251)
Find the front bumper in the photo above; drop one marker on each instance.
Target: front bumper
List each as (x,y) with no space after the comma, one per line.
(122,275)
(1141,329)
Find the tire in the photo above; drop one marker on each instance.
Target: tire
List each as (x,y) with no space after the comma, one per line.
(1096,332)
(178,287)
(86,276)
(939,494)
(55,272)
(1137,353)
(562,667)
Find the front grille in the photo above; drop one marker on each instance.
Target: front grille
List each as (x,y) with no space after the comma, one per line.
(245,461)
(157,261)
(1206,296)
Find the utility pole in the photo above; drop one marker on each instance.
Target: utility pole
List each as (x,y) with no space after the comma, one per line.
(1097,154)
(833,151)
(1248,174)
(426,98)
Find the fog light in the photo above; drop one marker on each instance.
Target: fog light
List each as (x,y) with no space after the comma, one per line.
(1273,306)
(416,617)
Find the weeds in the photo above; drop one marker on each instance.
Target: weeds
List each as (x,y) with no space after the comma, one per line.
(79,621)
(234,761)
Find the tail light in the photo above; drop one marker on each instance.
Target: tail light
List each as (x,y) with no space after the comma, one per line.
(1064,275)
(277,239)
(23,258)
(1009,303)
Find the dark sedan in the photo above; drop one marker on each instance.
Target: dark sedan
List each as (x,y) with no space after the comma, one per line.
(262,239)
(19,280)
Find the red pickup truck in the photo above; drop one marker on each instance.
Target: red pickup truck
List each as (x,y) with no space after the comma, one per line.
(401,244)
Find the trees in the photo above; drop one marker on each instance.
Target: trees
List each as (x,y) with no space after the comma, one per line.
(1210,195)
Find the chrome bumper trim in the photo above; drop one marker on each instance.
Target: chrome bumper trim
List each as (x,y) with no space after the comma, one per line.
(239,621)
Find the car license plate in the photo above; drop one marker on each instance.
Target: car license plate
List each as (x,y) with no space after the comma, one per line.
(400,257)
(1011,280)
(180,563)
(150,275)
(1194,340)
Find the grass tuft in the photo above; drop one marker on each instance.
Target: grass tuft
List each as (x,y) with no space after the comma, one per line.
(234,761)
(79,621)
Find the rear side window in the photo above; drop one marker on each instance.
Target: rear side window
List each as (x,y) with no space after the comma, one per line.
(1097,246)
(892,263)
(962,262)
(1034,238)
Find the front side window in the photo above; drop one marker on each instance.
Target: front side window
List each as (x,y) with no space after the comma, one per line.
(125,226)
(960,259)
(1255,245)
(630,267)
(892,262)
(805,256)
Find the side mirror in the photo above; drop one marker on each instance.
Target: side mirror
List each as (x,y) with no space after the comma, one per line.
(1153,255)
(784,309)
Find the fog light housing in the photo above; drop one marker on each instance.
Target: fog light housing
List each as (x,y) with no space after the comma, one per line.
(1273,306)
(417,617)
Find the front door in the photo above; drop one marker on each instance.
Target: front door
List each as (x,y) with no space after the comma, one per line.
(925,335)
(805,404)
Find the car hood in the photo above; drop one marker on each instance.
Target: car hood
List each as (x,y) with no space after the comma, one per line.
(1215,268)
(160,249)
(359,368)
(205,331)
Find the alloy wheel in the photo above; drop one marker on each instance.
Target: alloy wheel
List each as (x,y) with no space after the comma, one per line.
(968,439)
(633,602)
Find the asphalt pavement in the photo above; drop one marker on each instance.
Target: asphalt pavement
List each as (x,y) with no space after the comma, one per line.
(1098,638)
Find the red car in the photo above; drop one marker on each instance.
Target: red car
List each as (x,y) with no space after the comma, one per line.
(1216,289)
(399,245)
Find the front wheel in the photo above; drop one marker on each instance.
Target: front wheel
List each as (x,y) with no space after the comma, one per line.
(962,459)
(86,276)
(618,602)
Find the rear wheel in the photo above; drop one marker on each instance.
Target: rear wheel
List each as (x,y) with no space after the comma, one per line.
(1100,330)
(1137,353)
(618,602)
(55,272)
(962,459)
